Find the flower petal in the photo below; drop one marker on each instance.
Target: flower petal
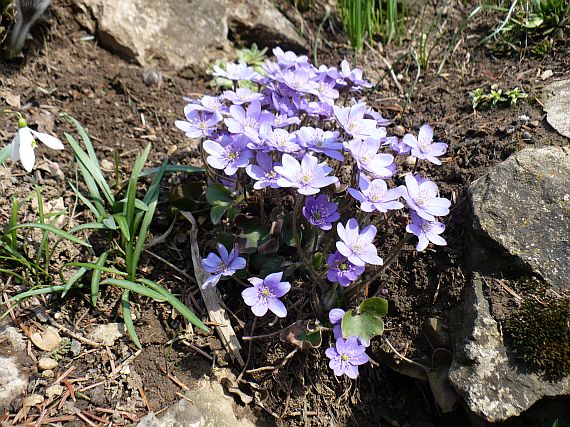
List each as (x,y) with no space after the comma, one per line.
(277,307)
(27,155)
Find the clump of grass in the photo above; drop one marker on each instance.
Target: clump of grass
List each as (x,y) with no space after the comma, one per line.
(367,18)
(540,336)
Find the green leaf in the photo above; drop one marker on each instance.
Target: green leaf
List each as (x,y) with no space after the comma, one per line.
(96,277)
(175,303)
(172,168)
(4,153)
(266,264)
(318,259)
(367,323)
(364,326)
(52,229)
(376,306)
(123,225)
(73,279)
(134,287)
(126,305)
(217,212)
(217,194)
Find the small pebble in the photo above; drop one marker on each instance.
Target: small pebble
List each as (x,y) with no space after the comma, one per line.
(75,347)
(526,136)
(411,161)
(534,123)
(48,373)
(47,363)
(400,131)
(152,77)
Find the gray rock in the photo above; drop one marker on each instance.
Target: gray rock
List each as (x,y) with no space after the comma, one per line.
(522,207)
(13,374)
(260,22)
(493,385)
(107,333)
(557,106)
(184,33)
(209,407)
(187,34)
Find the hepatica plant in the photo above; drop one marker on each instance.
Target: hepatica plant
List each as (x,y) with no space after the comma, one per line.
(304,184)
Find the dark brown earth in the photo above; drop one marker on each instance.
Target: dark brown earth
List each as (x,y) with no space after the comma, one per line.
(62,73)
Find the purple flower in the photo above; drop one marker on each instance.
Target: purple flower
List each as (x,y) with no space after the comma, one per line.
(353,77)
(357,246)
(242,95)
(398,145)
(423,147)
(278,139)
(341,270)
(422,198)
(265,294)
(235,72)
(282,120)
(353,122)
(230,154)
(320,141)
(367,157)
(209,104)
(289,59)
(380,121)
(346,356)
(374,195)
(326,91)
(320,212)
(299,80)
(427,231)
(242,123)
(223,265)
(309,176)
(199,124)
(263,172)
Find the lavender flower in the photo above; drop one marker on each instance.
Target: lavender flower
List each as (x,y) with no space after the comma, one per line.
(374,195)
(242,123)
(367,157)
(353,77)
(289,59)
(265,294)
(299,80)
(242,95)
(353,122)
(357,246)
(341,270)
(422,198)
(223,265)
(199,124)
(263,172)
(230,154)
(398,145)
(427,231)
(320,212)
(209,104)
(346,356)
(320,141)
(423,147)
(235,72)
(335,317)
(308,177)
(380,121)
(278,139)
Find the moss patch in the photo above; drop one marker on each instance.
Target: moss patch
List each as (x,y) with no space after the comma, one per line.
(539,335)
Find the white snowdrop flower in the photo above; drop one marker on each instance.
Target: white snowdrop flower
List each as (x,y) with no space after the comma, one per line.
(24,143)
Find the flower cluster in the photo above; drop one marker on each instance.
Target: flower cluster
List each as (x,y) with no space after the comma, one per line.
(294,135)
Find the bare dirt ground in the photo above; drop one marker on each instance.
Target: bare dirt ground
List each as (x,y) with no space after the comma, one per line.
(64,72)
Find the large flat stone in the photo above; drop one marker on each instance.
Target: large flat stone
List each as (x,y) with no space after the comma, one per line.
(557,106)
(492,384)
(522,206)
(185,33)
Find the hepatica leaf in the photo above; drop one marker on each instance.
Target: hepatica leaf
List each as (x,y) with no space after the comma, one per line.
(366,322)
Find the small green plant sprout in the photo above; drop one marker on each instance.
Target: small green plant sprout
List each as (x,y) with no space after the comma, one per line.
(248,58)
(480,98)
(515,94)
(252,56)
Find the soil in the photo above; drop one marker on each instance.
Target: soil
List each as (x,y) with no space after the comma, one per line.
(64,70)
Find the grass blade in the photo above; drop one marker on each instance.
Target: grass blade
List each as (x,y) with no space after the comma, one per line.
(134,287)
(176,303)
(72,280)
(52,229)
(96,277)
(126,305)
(172,168)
